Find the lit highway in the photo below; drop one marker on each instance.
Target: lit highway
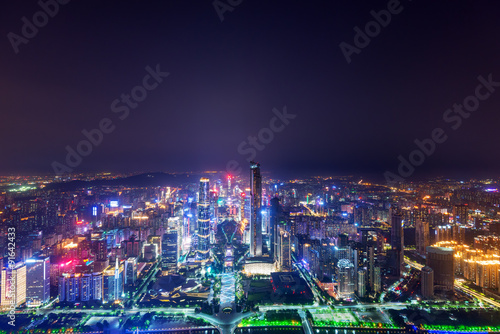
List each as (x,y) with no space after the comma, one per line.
(459,285)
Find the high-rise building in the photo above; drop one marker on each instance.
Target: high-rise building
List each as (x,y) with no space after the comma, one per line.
(131,270)
(80,287)
(377,280)
(441,261)
(100,249)
(13,286)
(170,253)
(397,244)
(69,287)
(256,210)
(443,233)
(427,282)
(461,214)
(422,236)
(274,221)
(203,249)
(371,266)
(37,281)
(361,287)
(284,256)
(113,283)
(345,278)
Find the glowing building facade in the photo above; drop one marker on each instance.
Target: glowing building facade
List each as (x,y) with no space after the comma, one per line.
(256,210)
(203,248)
(37,281)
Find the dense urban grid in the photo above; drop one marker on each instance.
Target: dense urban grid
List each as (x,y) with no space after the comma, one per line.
(213,252)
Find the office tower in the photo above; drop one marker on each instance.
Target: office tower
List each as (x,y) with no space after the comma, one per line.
(37,281)
(274,221)
(255,212)
(371,266)
(422,236)
(460,214)
(203,251)
(361,288)
(113,283)
(441,261)
(397,244)
(284,251)
(427,282)
(229,190)
(13,285)
(345,278)
(131,270)
(100,249)
(377,280)
(170,253)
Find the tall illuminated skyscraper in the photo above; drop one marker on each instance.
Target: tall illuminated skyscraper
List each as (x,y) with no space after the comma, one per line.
(37,281)
(203,251)
(255,212)
(397,243)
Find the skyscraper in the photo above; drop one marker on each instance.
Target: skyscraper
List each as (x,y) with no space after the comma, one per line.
(441,261)
(371,266)
(361,288)
(256,214)
(131,270)
(460,214)
(274,221)
(377,280)
(113,283)
(203,251)
(422,236)
(170,253)
(284,251)
(37,281)
(397,243)
(345,278)
(427,282)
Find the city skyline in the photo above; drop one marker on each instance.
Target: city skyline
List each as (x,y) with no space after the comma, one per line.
(240,167)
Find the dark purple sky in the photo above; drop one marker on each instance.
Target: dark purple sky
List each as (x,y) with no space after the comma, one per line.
(226,78)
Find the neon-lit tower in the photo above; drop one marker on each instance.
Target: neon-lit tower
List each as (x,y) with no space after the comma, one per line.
(229,192)
(255,213)
(397,242)
(203,252)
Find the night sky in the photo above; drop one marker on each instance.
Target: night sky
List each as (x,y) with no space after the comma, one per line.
(225,78)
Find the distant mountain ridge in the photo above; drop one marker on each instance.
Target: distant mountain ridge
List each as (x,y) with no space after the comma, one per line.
(156,179)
